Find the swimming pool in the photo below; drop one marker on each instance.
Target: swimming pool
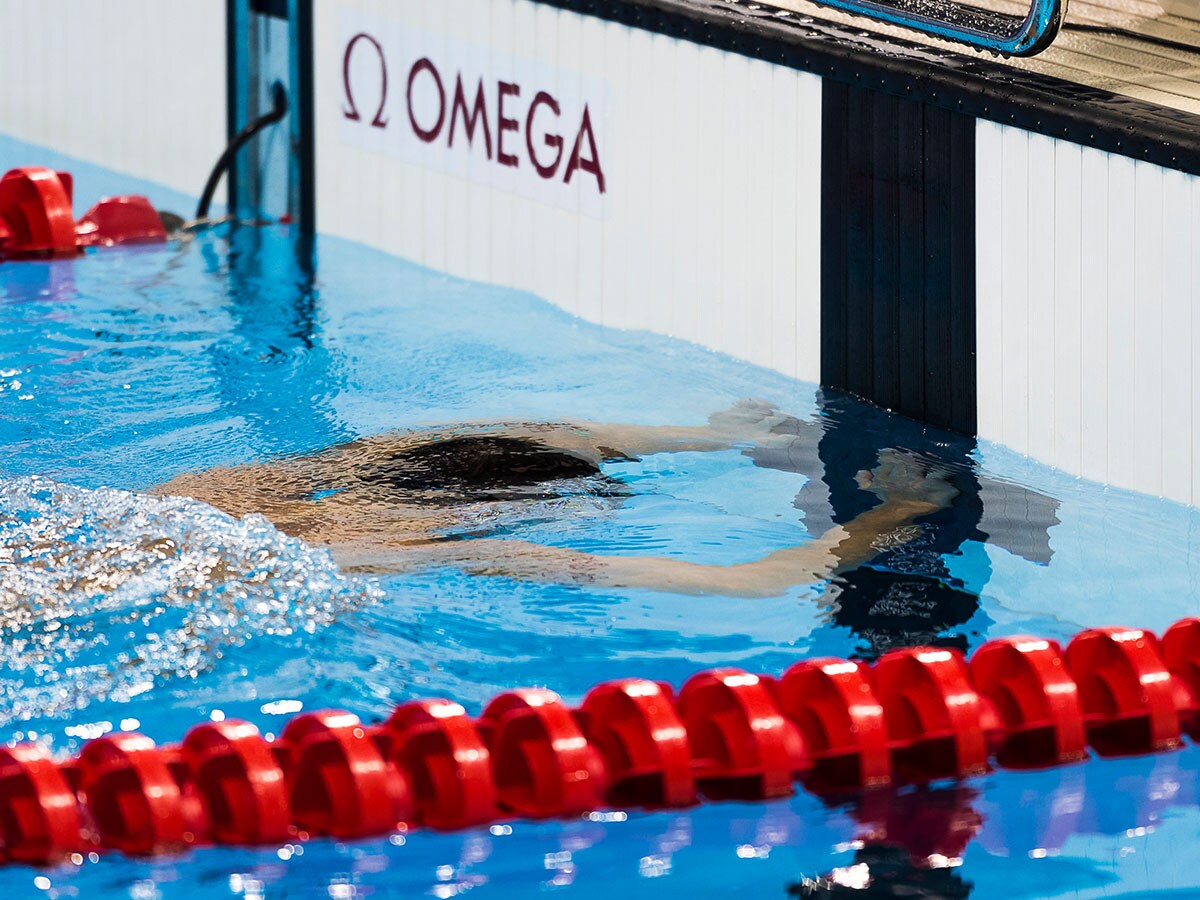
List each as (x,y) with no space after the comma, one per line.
(125,368)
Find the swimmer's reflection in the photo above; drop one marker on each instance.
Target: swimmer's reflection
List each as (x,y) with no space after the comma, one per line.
(910,844)
(905,595)
(401,501)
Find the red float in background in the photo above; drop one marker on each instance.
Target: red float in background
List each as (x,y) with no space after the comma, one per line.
(35,209)
(120,220)
(36,219)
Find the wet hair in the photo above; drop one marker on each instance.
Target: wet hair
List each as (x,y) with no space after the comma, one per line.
(477,468)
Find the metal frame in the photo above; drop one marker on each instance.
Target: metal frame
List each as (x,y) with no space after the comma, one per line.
(979,28)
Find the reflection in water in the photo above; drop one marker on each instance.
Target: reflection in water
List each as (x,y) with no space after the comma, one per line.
(270,367)
(909,844)
(912,843)
(905,595)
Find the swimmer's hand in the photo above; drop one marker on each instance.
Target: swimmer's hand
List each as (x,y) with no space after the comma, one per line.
(902,478)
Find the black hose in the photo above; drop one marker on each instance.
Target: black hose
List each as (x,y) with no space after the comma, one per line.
(279,108)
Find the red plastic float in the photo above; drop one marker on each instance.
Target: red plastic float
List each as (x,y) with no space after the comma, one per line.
(742,746)
(834,705)
(939,725)
(36,221)
(1180,647)
(39,815)
(339,783)
(135,802)
(916,715)
(437,743)
(542,764)
(1027,682)
(634,726)
(239,782)
(1127,694)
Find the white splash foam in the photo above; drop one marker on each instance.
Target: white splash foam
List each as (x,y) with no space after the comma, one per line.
(104,593)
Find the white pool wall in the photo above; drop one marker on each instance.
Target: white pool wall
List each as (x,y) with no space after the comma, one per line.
(137,86)
(709,225)
(1088,282)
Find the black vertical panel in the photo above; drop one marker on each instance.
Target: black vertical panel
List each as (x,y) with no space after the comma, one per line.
(860,233)
(898,254)
(938,261)
(910,263)
(834,129)
(885,382)
(962,274)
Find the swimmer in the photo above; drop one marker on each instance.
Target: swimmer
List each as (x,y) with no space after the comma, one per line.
(395,502)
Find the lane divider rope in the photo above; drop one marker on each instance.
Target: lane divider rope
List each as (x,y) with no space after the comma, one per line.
(837,726)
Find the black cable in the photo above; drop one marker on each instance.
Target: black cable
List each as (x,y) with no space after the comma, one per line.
(279,109)
(1115,31)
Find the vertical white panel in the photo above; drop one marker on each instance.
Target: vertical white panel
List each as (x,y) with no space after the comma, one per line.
(761,188)
(616,238)
(733,184)
(1068,259)
(787,207)
(1099,335)
(1195,348)
(1122,320)
(1093,316)
(690,114)
(1146,413)
(702,322)
(660,154)
(1014,205)
(989,272)
(808,233)
(102,82)
(1179,246)
(643,118)
(1042,259)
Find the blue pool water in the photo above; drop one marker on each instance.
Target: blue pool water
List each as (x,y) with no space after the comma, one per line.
(125,368)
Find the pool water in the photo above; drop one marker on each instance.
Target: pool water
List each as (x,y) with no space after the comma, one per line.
(121,610)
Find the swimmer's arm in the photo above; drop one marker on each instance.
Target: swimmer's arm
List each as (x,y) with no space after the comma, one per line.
(908,488)
(841,548)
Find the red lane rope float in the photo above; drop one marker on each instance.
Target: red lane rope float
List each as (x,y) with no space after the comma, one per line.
(36,220)
(917,715)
